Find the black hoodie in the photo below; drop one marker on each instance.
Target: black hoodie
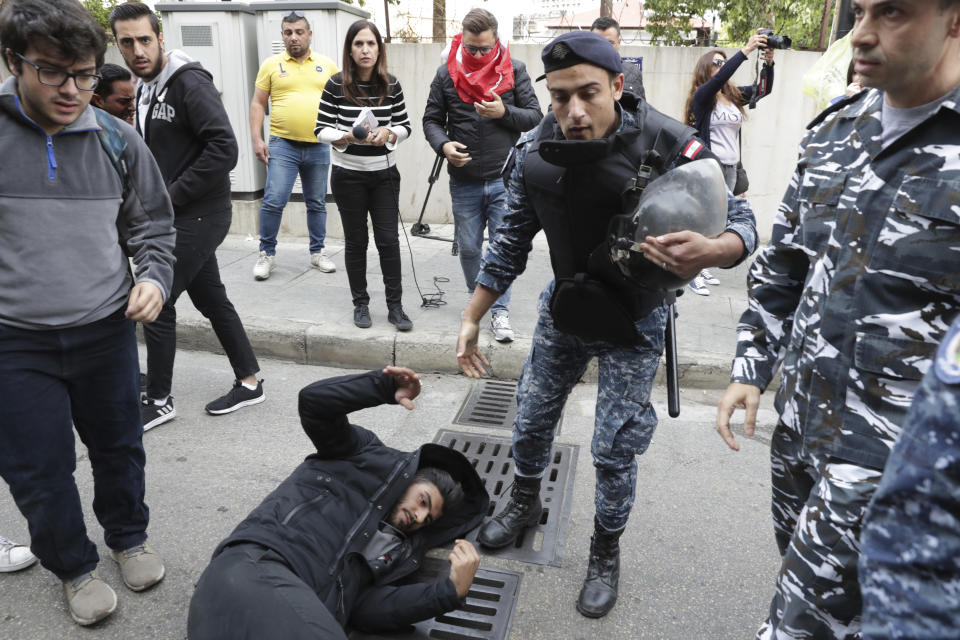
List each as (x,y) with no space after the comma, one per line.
(322,516)
(188,131)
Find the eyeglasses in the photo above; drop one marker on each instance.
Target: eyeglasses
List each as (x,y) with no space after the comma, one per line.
(294,14)
(57,77)
(719,62)
(474,50)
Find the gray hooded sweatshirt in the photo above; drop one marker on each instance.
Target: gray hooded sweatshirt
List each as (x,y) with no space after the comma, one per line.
(61,201)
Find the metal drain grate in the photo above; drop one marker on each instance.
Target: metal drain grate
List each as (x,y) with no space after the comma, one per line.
(486,615)
(491,457)
(491,403)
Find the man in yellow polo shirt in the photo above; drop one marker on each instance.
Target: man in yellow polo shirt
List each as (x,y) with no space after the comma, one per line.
(293,82)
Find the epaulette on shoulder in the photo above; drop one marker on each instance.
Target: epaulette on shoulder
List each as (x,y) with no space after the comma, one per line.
(836,106)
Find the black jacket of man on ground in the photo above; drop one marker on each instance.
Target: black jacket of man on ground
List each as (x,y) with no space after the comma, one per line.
(320,520)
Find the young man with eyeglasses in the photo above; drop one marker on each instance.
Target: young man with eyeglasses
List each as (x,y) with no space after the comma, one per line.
(480,101)
(183,121)
(68,352)
(293,83)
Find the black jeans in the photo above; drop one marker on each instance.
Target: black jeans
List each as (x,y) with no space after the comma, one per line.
(88,376)
(358,193)
(197,273)
(249,593)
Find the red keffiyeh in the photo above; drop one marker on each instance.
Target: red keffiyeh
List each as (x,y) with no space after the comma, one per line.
(475,79)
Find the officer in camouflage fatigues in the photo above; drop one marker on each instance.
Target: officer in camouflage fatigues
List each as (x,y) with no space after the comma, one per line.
(859,283)
(910,567)
(625,417)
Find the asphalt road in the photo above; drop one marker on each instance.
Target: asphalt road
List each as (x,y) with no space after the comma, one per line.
(698,561)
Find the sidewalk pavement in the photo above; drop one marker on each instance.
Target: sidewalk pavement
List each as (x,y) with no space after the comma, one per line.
(304,315)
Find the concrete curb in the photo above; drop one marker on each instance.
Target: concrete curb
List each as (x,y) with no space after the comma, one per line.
(423,351)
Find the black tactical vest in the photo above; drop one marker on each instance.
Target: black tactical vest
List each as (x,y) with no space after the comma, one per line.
(575,204)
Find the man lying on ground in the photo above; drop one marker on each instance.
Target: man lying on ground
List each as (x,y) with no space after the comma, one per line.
(327,548)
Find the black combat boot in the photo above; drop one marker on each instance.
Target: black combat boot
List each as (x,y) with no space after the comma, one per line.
(599,592)
(521,512)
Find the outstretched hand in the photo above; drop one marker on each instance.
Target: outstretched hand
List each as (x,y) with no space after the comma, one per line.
(407,385)
(738,396)
(469,357)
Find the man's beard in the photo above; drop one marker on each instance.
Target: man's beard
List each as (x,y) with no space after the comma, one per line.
(394,518)
(154,72)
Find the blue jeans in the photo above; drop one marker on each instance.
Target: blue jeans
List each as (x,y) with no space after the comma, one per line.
(287,158)
(477,204)
(52,383)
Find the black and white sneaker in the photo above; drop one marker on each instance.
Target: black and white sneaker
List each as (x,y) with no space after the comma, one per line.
(237,398)
(154,414)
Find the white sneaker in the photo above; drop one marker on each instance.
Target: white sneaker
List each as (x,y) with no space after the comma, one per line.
(261,270)
(699,287)
(322,261)
(709,278)
(14,557)
(500,325)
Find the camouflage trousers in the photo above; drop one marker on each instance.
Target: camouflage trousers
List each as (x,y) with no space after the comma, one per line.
(625,418)
(818,507)
(910,567)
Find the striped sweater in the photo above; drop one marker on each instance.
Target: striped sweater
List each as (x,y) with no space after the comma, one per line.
(336,116)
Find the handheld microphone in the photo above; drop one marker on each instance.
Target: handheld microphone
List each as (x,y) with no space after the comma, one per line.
(360,133)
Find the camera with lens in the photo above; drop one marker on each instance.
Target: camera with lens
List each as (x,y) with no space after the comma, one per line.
(775,41)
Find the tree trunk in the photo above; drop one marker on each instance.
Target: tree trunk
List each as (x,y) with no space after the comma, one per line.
(825,21)
(439,20)
(606,8)
(386,17)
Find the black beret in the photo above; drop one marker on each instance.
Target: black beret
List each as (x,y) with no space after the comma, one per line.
(578,47)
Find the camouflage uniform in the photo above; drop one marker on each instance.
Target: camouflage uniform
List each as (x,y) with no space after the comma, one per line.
(910,568)
(625,419)
(859,283)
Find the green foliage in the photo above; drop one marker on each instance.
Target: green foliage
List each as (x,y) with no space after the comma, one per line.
(100,9)
(799,19)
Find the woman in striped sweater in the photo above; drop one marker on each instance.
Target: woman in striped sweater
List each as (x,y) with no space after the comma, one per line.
(364,176)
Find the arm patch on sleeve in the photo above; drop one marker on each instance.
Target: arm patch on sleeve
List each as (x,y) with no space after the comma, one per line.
(692,149)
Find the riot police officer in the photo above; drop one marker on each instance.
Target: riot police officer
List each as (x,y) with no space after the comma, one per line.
(567,176)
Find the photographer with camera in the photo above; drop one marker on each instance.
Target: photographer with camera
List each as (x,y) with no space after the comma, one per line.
(715,108)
